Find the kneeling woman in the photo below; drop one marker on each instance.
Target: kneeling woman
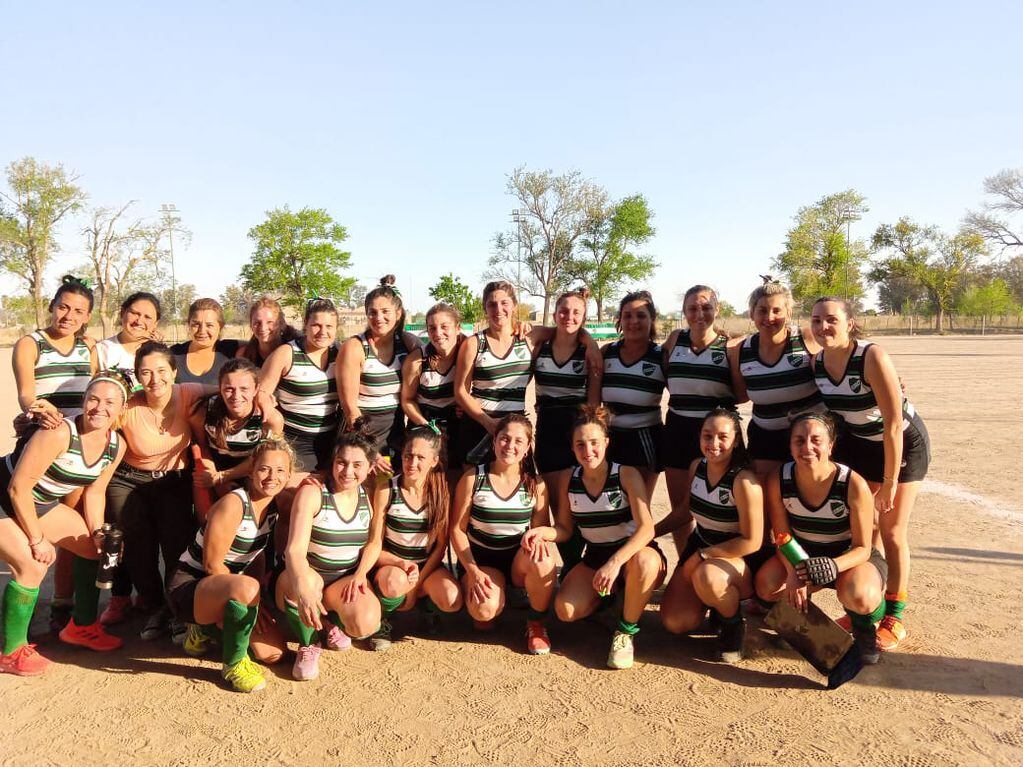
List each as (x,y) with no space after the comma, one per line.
(829,511)
(81,452)
(415,508)
(608,504)
(216,584)
(334,540)
(716,568)
(495,504)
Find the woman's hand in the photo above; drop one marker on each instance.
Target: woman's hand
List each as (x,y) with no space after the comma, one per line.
(43,552)
(604,579)
(264,622)
(382,468)
(522,329)
(534,544)
(412,573)
(884,499)
(205,474)
(795,591)
(352,587)
(45,414)
(478,585)
(310,608)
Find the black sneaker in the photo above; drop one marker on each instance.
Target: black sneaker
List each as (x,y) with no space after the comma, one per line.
(866,641)
(730,640)
(157,625)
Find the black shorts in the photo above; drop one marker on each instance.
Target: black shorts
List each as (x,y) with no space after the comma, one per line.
(866,457)
(386,431)
(499,559)
(312,451)
(450,423)
(636,447)
(7,505)
(553,450)
(765,445)
(595,557)
(680,441)
(753,561)
(876,559)
(473,433)
(181,595)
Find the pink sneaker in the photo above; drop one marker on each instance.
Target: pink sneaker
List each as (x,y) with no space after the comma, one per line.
(307,663)
(116,611)
(335,639)
(24,661)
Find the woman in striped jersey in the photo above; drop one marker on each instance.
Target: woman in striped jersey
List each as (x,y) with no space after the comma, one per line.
(217,580)
(301,375)
(334,539)
(774,369)
(415,508)
(633,386)
(428,384)
(827,509)
(369,373)
(699,380)
(139,316)
(493,369)
(716,568)
(607,504)
(495,504)
(884,440)
(82,452)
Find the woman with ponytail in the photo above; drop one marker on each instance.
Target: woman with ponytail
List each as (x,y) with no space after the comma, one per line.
(415,508)
(269,330)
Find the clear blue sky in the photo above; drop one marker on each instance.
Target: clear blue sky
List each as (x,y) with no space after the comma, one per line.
(403,119)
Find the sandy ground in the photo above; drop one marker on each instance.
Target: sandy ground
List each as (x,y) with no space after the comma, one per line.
(951,696)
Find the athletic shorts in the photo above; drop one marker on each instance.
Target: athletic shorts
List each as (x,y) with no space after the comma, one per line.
(450,423)
(181,595)
(7,505)
(768,445)
(866,457)
(876,558)
(385,431)
(595,557)
(680,441)
(499,559)
(636,447)
(753,561)
(553,450)
(312,451)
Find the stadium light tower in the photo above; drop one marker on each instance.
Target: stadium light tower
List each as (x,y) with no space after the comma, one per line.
(518,217)
(170,218)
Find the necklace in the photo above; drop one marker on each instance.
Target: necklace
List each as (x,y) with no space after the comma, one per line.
(160,420)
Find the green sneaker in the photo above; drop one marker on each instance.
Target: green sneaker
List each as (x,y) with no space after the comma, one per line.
(244,676)
(620,655)
(197,641)
(381,640)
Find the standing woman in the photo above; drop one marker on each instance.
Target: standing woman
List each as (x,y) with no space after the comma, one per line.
(269,330)
(369,371)
(495,505)
(217,580)
(415,507)
(774,369)
(301,375)
(633,386)
(699,380)
(607,503)
(884,440)
(140,314)
(827,509)
(334,539)
(494,368)
(81,452)
(716,568)
(199,359)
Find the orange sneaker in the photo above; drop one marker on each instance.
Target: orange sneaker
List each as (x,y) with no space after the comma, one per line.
(537,641)
(95,637)
(24,661)
(889,633)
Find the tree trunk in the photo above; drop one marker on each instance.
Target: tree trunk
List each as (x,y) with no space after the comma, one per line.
(546,306)
(37,299)
(600,308)
(939,319)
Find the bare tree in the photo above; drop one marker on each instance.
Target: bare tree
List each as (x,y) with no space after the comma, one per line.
(1006,189)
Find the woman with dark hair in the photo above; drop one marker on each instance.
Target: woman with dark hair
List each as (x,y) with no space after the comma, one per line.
(200,358)
(723,553)
(269,330)
(139,316)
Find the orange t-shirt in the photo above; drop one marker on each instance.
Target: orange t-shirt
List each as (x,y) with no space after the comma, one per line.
(150,450)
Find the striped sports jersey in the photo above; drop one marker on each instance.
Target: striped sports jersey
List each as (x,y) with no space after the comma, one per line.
(824,530)
(380,382)
(699,381)
(334,544)
(70,471)
(852,399)
(499,383)
(560,385)
(713,508)
(113,356)
(496,522)
(406,530)
(237,445)
(607,519)
(783,390)
(249,540)
(306,395)
(633,392)
(436,389)
(62,379)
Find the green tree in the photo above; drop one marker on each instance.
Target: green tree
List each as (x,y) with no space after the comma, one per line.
(725,310)
(605,260)
(297,256)
(17,312)
(236,301)
(938,263)
(455,292)
(552,216)
(1005,193)
(992,299)
(38,197)
(819,258)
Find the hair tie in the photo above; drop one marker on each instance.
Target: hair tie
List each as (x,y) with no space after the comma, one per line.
(432,426)
(312,300)
(115,377)
(70,279)
(395,290)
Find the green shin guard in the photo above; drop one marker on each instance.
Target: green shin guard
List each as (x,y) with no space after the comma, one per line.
(865,621)
(19,603)
(86,608)
(389,604)
(304,633)
(879,612)
(239,621)
(627,627)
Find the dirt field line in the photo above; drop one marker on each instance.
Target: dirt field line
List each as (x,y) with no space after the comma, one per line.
(984,503)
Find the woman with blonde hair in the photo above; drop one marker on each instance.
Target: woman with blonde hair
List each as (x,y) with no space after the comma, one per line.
(269,330)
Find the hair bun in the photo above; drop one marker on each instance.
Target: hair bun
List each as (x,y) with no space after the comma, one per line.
(584,293)
(387,279)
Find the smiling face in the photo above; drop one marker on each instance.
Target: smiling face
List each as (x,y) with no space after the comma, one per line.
(831,324)
(418,459)
(499,308)
(69,313)
(238,390)
(381,316)
(512,443)
(443,331)
(810,443)
(589,443)
(321,329)
(771,314)
(270,472)
(717,439)
(636,321)
(570,314)
(700,310)
(204,328)
(156,376)
(350,468)
(139,320)
(102,405)
(265,325)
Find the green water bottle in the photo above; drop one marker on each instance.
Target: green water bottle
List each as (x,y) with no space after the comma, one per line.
(790,549)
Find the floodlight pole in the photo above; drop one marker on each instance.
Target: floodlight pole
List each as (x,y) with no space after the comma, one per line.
(168,210)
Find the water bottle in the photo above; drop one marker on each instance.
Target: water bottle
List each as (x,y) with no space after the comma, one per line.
(790,549)
(110,555)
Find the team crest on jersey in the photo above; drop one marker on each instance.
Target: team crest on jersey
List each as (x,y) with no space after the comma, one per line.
(649,368)
(839,509)
(796,360)
(251,435)
(718,358)
(724,496)
(364,517)
(520,352)
(577,366)
(855,385)
(614,497)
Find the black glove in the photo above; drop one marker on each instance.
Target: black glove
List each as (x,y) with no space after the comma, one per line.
(820,571)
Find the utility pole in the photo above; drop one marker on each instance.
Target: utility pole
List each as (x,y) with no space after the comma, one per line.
(518,217)
(170,218)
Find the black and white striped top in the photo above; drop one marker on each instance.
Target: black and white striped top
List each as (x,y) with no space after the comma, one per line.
(499,383)
(822,530)
(633,392)
(249,540)
(561,385)
(781,391)
(604,519)
(699,381)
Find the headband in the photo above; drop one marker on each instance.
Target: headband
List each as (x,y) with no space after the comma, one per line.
(111,376)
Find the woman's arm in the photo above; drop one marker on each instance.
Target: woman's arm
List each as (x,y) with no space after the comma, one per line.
(458,523)
(221,526)
(732,350)
(273,422)
(411,369)
(42,450)
(358,582)
(94,497)
(463,385)
(276,365)
(667,347)
(23,360)
(594,369)
(861,524)
(348,372)
(749,500)
(880,374)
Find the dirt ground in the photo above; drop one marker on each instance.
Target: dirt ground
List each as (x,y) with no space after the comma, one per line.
(952,695)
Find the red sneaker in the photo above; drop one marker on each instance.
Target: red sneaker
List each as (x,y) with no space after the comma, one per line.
(95,637)
(116,611)
(24,661)
(890,633)
(537,641)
